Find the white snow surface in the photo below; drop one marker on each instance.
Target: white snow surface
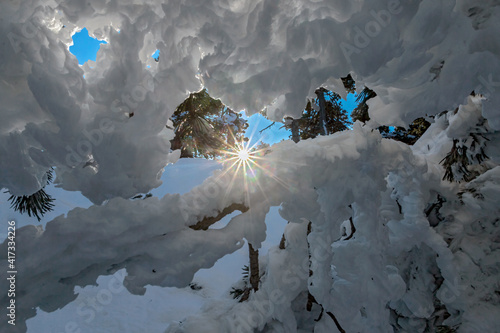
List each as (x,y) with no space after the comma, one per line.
(109,307)
(418,56)
(401,270)
(389,276)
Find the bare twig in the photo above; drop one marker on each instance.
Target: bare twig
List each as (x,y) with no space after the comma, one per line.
(353,229)
(335,321)
(262,130)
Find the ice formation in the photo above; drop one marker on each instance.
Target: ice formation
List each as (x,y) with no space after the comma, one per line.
(399,269)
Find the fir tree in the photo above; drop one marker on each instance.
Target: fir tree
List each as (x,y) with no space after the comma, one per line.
(361,111)
(310,125)
(204,127)
(349,84)
(465,159)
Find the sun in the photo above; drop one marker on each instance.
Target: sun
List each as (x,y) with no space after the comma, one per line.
(247,163)
(243,154)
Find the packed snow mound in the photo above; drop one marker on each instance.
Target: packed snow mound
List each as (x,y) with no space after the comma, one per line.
(418,56)
(392,246)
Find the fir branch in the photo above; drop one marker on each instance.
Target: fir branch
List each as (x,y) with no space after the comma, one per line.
(246,273)
(456,157)
(237,293)
(36,204)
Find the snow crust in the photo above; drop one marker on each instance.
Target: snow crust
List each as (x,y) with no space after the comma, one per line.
(103,127)
(383,277)
(418,56)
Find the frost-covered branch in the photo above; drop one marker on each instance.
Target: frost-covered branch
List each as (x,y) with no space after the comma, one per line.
(208,221)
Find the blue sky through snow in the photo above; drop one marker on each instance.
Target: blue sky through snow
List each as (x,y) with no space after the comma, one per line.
(85,47)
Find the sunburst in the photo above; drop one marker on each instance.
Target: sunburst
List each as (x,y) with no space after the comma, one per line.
(243,154)
(249,162)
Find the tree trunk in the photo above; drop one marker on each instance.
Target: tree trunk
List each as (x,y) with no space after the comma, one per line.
(322,111)
(254,267)
(295,130)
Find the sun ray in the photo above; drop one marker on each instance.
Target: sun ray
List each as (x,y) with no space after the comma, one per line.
(271,174)
(247,161)
(231,183)
(250,161)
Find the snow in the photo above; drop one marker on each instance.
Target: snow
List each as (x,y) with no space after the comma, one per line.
(397,272)
(103,307)
(307,44)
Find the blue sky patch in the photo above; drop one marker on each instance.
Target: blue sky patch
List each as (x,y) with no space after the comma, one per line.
(156,55)
(85,47)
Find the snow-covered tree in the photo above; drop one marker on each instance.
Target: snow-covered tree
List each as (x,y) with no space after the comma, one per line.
(311,123)
(206,127)
(360,112)
(383,236)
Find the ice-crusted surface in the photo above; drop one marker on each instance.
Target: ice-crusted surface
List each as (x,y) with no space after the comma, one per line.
(418,56)
(423,249)
(397,272)
(394,272)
